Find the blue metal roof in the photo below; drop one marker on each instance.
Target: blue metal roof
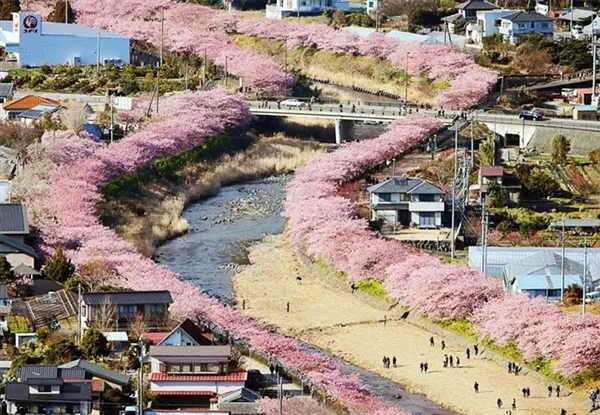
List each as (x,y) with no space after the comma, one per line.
(586,108)
(545,282)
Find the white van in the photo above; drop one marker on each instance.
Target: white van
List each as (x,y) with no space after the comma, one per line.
(592,297)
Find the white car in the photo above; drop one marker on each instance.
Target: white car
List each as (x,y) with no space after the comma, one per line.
(293,102)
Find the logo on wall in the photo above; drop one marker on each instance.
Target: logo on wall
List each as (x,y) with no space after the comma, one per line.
(30,24)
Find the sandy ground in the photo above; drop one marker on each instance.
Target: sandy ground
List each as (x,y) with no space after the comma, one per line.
(323,314)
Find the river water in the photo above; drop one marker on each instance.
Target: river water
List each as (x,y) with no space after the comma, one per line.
(220,229)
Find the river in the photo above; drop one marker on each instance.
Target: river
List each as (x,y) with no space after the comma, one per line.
(220,229)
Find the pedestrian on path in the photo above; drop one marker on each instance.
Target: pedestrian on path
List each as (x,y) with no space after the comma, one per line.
(549,391)
(288,307)
(476,349)
(499,403)
(563,412)
(457,361)
(476,387)
(422,366)
(528,392)
(451,361)
(468,353)
(431,342)
(394,361)
(353,286)
(271,369)
(298,280)
(524,391)
(445,360)
(384,320)
(384,361)
(426,367)
(514,404)
(443,345)
(558,391)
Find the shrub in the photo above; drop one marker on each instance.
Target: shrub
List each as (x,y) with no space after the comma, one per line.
(58,268)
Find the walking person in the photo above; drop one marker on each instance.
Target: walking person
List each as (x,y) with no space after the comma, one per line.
(476,349)
(426,367)
(513,406)
(384,320)
(457,361)
(499,403)
(558,391)
(528,392)
(445,360)
(298,280)
(394,361)
(353,286)
(431,342)
(468,353)
(421,366)
(476,387)
(549,391)
(524,391)
(271,369)
(288,307)
(451,361)
(384,361)
(443,345)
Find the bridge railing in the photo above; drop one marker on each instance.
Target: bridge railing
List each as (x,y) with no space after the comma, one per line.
(357,102)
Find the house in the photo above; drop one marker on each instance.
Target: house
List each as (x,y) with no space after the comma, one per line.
(186,333)
(521,23)
(100,378)
(6,91)
(542,7)
(118,341)
(14,229)
(189,376)
(538,270)
(405,201)
(497,174)
(585,112)
(238,401)
(28,117)
(119,309)
(48,389)
(4,308)
(284,8)
(13,108)
(488,24)
(467,15)
(580,16)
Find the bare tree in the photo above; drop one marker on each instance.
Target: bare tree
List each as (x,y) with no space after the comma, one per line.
(137,327)
(74,115)
(94,273)
(105,316)
(15,135)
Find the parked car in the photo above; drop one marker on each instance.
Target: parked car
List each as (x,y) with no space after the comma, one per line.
(534,115)
(255,375)
(293,102)
(592,297)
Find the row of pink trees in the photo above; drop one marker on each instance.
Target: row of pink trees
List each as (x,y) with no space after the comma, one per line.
(324,225)
(193,29)
(66,215)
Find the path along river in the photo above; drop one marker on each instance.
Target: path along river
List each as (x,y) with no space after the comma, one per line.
(221,227)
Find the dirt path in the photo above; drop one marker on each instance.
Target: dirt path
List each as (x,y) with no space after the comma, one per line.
(338,321)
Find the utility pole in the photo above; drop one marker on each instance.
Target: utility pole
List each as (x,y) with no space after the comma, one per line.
(377,19)
(454,185)
(562,264)
(594,51)
(483,235)
(584,272)
(98,55)
(286,66)
(204,72)
(472,139)
(140,388)
(406,81)
(226,74)
(112,122)
(79,311)
(162,35)
(280,390)
(66,11)
(571,19)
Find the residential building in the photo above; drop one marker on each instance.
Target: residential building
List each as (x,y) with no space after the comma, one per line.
(13,108)
(14,229)
(488,24)
(284,8)
(537,271)
(405,201)
(521,23)
(118,341)
(238,401)
(542,7)
(189,376)
(467,15)
(47,389)
(6,91)
(507,182)
(580,16)
(372,6)
(29,117)
(4,308)
(117,309)
(29,41)
(186,333)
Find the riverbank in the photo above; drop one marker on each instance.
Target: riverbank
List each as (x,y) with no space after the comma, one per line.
(324,314)
(152,214)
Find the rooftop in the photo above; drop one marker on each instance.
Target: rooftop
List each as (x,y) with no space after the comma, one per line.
(98,371)
(522,16)
(128,297)
(13,219)
(188,326)
(477,5)
(586,108)
(9,245)
(156,337)
(51,28)
(492,171)
(75,392)
(405,185)
(6,89)
(28,102)
(38,111)
(575,223)
(231,377)
(191,351)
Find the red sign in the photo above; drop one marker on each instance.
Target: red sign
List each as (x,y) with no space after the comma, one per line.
(30,24)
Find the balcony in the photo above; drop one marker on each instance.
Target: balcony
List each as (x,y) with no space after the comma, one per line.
(426,206)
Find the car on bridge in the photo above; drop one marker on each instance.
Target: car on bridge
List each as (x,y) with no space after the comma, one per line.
(293,102)
(534,115)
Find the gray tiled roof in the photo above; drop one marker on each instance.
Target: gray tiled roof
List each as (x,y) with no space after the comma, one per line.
(405,185)
(477,5)
(15,246)
(522,16)
(190,351)
(98,371)
(128,297)
(6,89)
(38,372)
(71,392)
(192,330)
(13,219)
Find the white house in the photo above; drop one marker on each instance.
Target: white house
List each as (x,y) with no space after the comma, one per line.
(29,41)
(488,24)
(467,14)
(405,201)
(520,23)
(542,7)
(284,8)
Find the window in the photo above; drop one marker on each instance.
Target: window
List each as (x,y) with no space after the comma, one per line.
(385,197)
(126,311)
(497,23)
(173,368)
(44,388)
(204,367)
(427,219)
(426,198)
(186,368)
(83,311)
(197,367)
(156,309)
(545,25)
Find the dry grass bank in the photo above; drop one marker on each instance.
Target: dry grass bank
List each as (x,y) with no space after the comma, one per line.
(346,70)
(152,214)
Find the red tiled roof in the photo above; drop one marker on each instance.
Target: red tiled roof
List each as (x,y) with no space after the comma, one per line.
(155,338)
(28,102)
(492,171)
(186,393)
(235,376)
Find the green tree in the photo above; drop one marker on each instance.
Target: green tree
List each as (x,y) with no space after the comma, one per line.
(595,156)
(57,14)
(93,343)
(61,351)
(496,195)
(25,355)
(560,149)
(6,273)
(49,123)
(58,268)
(536,182)
(487,152)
